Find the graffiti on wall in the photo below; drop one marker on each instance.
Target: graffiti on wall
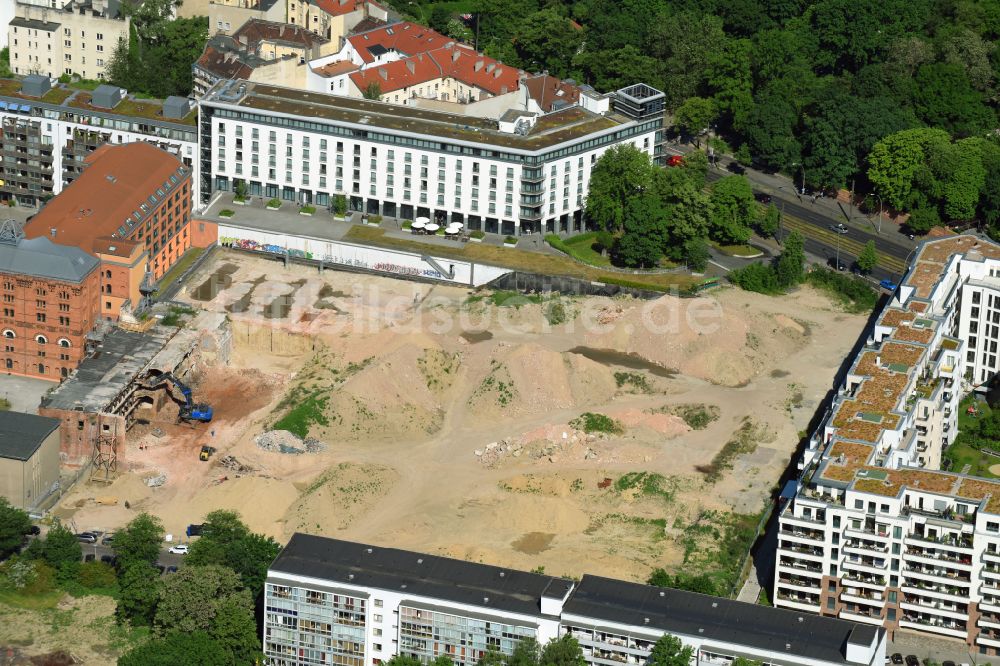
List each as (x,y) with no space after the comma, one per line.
(382,266)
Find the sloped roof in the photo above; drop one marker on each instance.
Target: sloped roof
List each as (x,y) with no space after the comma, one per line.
(255,31)
(399,74)
(339,7)
(405,38)
(548,91)
(223,63)
(40,257)
(21,434)
(463,63)
(335,68)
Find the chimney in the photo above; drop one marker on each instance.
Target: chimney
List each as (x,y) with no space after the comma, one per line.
(409,66)
(479,65)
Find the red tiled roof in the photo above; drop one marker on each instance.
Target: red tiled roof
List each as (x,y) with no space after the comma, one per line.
(406,38)
(255,31)
(335,68)
(463,64)
(117,181)
(340,7)
(547,90)
(399,74)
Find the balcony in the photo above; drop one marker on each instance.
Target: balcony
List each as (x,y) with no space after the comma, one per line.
(811,535)
(789,518)
(990,638)
(990,620)
(935,625)
(801,566)
(935,608)
(865,546)
(856,578)
(948,593)
(808,585)
(823,497)
(937,575)
(850,595)
(861,615)
(867,565)
(930,556)
(799,601)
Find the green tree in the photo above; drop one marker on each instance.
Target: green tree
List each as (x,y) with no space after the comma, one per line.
(770,222)
(788,267)
(680,42)
(622,173)
(670,651)
(702,583)
(97,575)
(610,70)
(372,91)
(743,661)
(212,599)
(140,541)
(966,180)
(730,79)
(696,254)
(923,219)
(526,653)
(769,129)
(440,18)
(547,41)
(868,258)
(442,660)
(403,660)
(14,524)
(896,160)
(695,115)
(227,541)
(641,243)
(492,657)
(562,651)
(177,649)
(733,210)
(62,551)
(138,584)
(943,97)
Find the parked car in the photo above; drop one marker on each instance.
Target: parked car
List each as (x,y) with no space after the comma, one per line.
(947,662)
(86,537)
(179,549)
(888,284)
(109,559)
(912,660)
(106,541)
(89,557)
(736,167)
(675,160)
(896,658)
(762,197)
(837,264)
(159,567)
(838,228)
(34,530)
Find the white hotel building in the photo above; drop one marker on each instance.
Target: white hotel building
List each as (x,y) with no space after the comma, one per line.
(328,601)
(874,532)
(523,173)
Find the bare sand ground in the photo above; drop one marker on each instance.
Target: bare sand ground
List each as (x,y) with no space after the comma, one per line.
(414,390)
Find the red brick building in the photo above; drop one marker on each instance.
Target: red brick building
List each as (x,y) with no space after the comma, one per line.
(131,208)
(48,303)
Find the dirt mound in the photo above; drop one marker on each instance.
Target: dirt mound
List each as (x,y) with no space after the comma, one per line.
(401,393)
(718,339)
(338,497)
(530,379)
(232,393)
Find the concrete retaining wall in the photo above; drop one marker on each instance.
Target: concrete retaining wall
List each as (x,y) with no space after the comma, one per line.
(359,257)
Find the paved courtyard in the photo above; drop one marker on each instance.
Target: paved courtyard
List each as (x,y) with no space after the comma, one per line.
(23,393)
(936,649)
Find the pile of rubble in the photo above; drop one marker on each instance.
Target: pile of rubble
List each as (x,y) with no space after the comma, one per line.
(234,465)
(574,444)
(156,481)
(282,441)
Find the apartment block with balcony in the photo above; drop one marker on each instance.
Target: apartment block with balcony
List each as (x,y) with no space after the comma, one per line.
(337,602)
(48,132)
(875,532)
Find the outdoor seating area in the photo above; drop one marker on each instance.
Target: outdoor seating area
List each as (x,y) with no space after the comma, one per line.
(453,231)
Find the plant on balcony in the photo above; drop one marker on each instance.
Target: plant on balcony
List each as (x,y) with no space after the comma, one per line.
(226,213)
(274,204)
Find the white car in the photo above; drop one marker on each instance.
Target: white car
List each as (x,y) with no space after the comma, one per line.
(181,549)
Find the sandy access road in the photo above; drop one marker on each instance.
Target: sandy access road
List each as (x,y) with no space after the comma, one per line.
(446,418)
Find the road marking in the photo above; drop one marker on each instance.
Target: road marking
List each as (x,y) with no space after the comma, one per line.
(715,263)
(832,238)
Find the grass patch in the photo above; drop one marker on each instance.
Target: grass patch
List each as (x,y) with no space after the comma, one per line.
(583,247)
(176,315)
(591,422)
(178,269)
(522,260)
(273,204)
(656,527)
(634,380)
(854,293)
(963,450)
(742,442)
(4,405)
(513,298)
(305,210)
(555,313)
(30,601)
(226,213)
(696,416)
(715,548)
(741,250)
(649,484)
(304,415)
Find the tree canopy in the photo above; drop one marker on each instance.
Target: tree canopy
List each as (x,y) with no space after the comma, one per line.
(14,524)
(227,541)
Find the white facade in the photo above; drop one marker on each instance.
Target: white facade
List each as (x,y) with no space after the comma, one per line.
(77,38)
(875,533)
(391,170)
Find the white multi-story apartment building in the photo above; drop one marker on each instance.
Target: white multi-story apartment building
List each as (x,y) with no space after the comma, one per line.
(328,601)
(874,533)
(521,174)
(52,37)
(48,132)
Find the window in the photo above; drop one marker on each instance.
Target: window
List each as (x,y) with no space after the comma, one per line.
(376,618)
(9,333)
(63,342)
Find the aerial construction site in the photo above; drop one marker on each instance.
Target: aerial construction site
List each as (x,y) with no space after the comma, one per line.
(607,435)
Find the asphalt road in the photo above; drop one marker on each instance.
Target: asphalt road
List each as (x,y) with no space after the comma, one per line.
(99,551)
(813,220)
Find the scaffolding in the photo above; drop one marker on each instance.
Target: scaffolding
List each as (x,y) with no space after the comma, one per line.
(104,463)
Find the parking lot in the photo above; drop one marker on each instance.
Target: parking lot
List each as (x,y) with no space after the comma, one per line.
(23,393)
(932,650)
